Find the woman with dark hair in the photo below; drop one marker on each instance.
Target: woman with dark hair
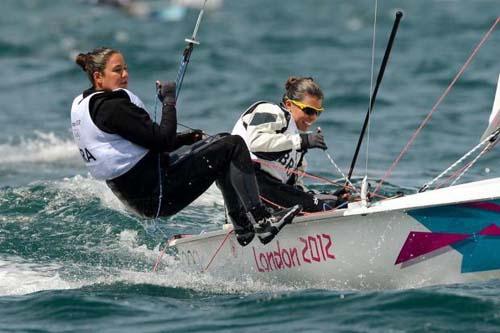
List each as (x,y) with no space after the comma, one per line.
(277,138)
(153,169)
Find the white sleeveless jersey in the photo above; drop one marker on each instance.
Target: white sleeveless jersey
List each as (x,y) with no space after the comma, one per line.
(106,155)
(268,133)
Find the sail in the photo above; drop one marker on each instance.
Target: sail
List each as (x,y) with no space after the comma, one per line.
(495,114)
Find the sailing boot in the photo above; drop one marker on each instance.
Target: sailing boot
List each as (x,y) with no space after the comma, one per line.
(267,225)
(243,228)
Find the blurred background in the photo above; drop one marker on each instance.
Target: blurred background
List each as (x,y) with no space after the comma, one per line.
(69,251)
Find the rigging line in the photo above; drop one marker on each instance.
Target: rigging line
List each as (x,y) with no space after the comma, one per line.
(217,251)
(371,83)
(471,164)
(160,256)
(299,173)
(348,181)
(438,102)
(274,204)
(460,160)
(450,178)
(340,171)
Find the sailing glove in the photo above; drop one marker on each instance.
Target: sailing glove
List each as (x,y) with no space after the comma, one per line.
(312,140)
(189,137)
(166,92)
(343,197)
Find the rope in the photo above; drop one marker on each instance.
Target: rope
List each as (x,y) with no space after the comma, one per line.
(453,175)
(340,171)
(272,203)
(217,251)
(440,99)
(460,160)
(300,173)
(471,164)
(158,259)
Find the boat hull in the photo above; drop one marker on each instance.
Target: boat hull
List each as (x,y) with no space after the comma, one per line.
(401,243)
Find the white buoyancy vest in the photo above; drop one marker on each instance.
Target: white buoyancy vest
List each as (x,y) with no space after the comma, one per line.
(106,155)
(283,156)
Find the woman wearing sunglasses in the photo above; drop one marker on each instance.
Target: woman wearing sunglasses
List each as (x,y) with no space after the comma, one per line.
(277,138)
(150,167)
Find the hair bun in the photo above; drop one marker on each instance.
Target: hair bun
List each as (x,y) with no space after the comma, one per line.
(292,81)
(297,86)
(81,60)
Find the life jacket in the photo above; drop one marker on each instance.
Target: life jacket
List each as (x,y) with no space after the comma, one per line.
(106,155)
(279,164)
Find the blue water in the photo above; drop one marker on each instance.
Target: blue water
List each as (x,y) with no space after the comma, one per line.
(73,259)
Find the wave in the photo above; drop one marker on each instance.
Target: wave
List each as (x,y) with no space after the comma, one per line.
(34,276)
(146,307)
(44,148)
(86,188)
(64,275)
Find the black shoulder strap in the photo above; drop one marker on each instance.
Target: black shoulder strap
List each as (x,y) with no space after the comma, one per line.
(251,109)
(288,116)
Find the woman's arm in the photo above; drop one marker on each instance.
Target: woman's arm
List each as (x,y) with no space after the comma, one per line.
(114,113)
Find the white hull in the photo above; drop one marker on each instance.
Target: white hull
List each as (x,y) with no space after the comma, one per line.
(450,235)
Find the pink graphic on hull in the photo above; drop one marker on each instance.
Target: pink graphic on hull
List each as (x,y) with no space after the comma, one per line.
(419,243)
(489,206)
(492,230)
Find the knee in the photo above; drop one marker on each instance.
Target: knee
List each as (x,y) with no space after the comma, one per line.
(236,141)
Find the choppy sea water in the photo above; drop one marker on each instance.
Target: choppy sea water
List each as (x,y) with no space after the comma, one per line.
(73,259)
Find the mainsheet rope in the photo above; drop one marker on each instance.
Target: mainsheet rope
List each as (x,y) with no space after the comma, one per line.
(438,102)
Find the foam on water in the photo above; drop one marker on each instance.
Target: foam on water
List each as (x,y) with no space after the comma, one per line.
(44,148)
(173,274)
(21,277)
(85,187)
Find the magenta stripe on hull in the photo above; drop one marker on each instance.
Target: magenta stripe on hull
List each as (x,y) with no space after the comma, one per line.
(490,206)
